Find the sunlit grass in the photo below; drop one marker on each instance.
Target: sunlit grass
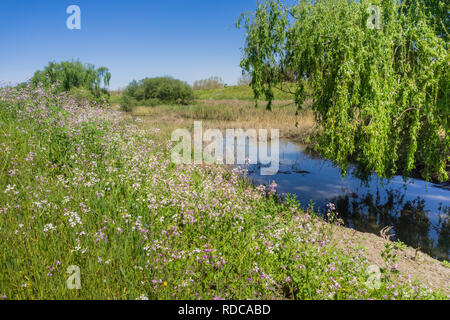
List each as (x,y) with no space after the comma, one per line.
(226,114)
(240,93)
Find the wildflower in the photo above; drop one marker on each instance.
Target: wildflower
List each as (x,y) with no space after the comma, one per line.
(49,227)
(9,188)
(331,207)
(272,187)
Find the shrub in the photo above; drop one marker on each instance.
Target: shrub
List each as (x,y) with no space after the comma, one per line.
(153,91)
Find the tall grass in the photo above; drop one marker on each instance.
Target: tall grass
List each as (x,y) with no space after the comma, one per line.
(83,186)
(237,114)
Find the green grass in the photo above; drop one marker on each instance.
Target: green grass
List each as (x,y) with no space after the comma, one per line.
(244,93)
(238,93)
(85,187)
(115,99)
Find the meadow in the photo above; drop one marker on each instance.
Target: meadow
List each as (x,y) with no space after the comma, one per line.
(242,92)
(231,107)
(88,186)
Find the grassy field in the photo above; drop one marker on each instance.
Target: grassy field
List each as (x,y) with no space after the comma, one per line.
(239,93)
(228,114)
(95,188)
(233,107)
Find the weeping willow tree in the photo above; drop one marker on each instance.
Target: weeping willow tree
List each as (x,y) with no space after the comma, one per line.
(378,75)
(75,75)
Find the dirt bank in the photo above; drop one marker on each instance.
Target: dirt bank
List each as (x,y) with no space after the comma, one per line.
(411,262)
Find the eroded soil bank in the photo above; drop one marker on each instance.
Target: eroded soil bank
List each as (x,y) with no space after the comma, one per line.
(411,263)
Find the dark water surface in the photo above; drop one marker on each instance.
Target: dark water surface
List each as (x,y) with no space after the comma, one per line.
(417,211)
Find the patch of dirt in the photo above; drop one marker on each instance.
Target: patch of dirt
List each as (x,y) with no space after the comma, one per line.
(411,262)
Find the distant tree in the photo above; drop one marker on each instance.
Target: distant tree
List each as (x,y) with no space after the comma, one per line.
(245,79)
(210,83)
(152,91)
(75,75)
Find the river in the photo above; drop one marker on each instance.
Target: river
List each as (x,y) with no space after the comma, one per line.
(417,211)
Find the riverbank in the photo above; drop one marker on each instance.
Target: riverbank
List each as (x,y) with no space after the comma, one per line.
(410,262)
(95,190)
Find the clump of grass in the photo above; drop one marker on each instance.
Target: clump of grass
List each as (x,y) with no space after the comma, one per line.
(87,187)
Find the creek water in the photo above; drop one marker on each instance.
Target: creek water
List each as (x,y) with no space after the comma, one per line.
(417,211)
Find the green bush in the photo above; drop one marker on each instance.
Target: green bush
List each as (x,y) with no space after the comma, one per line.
(153,91)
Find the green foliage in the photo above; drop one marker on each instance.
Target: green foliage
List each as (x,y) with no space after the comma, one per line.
(266,36)
(381,96)
(81,94)
(153,91)
(438,11)
(389,254)
(85,81)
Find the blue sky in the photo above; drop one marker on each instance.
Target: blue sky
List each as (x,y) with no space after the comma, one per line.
(186,39)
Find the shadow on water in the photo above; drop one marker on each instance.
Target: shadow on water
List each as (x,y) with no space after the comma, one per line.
(417,211)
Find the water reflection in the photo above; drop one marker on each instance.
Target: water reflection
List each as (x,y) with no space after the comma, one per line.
(409,219)
(417,211)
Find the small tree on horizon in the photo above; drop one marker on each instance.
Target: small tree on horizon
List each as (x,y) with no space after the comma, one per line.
(210,83)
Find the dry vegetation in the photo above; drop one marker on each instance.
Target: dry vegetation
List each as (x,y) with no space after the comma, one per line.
(229,114)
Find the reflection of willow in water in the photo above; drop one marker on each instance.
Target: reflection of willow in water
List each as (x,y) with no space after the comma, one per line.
(410,220)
